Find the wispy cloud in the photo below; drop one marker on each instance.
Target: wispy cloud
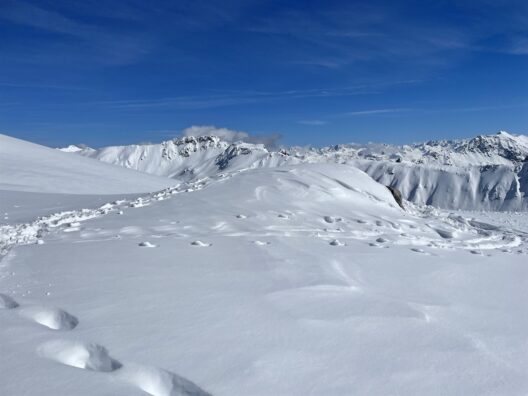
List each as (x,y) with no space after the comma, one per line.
(339,35)
(375,112)
(233,97)
(313,122)
(73,36)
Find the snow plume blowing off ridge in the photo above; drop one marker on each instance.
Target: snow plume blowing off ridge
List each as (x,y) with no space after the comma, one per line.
(231,136)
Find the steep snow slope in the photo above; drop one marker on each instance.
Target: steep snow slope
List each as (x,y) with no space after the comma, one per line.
(30,167)
(491,187)
(299,280)
(486,172)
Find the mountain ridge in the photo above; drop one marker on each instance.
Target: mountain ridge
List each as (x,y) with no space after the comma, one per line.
(487,172)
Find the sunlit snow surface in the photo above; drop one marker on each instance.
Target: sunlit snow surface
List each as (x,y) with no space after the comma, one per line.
(301,280)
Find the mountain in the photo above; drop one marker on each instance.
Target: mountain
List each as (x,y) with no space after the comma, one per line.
(483,173)
(187,158)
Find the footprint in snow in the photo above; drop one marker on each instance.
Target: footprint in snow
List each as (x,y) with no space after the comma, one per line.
(336,242)
(159,382)
(95,357)
(282,216)
(382,240)
(330,219)
(418,250)
(241,216)
(52,318)
(200,243)
(7,302)
(147,244)
(87,356)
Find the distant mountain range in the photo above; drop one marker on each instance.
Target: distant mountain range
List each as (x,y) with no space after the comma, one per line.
(488,172)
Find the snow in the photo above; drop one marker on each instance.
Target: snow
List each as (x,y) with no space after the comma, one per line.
(303,279)
(30,167)
(488,172)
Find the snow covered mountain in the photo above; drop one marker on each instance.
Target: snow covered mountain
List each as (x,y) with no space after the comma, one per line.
(187,158)
(483,173)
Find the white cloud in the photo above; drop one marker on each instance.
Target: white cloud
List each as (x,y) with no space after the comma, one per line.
(228,135)
(232,136)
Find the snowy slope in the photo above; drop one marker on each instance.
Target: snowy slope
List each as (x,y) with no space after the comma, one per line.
(30,167)
(297,280)
(484,173)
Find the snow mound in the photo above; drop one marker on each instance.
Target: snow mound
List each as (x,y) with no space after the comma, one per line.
(30,167)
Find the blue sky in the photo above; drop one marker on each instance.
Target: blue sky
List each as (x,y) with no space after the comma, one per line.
(316,72)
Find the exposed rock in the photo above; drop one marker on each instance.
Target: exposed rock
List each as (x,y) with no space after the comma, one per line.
(397,196)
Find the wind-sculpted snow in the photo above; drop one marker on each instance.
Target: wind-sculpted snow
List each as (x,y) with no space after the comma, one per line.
(294,280)
(483,173)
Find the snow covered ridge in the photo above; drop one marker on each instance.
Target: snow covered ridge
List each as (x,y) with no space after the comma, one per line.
(483,173)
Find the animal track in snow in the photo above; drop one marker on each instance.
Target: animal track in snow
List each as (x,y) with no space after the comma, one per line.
(7,302)
(336,242)
(52,318)
(88,356)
